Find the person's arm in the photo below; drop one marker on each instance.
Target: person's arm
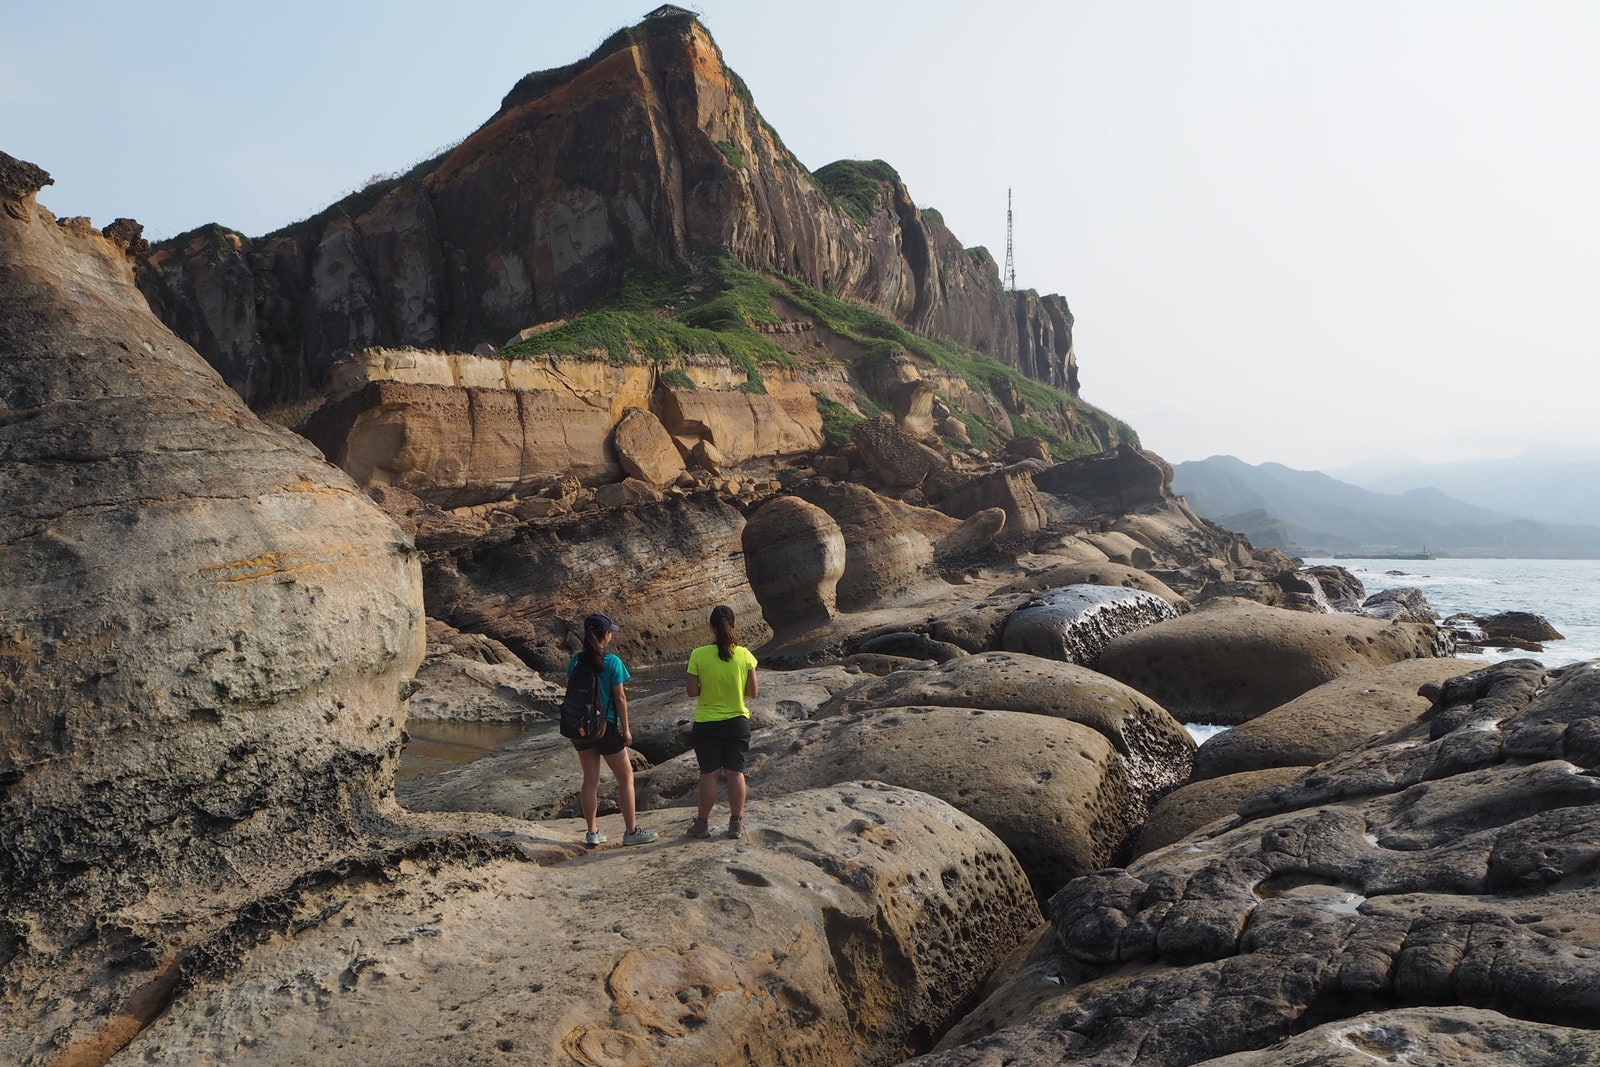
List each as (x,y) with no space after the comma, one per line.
(693,688)
(619,697)
(751,689)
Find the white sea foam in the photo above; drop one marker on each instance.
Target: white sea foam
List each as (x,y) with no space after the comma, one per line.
(1202,732)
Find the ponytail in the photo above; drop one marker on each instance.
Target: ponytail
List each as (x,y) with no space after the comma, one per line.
(593,654)
(722,627)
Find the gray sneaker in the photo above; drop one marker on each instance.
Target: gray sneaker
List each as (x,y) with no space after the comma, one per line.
(639,836)
(736,827)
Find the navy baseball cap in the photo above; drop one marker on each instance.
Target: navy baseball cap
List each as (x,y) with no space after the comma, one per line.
(600,623)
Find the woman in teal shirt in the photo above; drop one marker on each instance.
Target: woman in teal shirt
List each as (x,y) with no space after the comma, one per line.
(721,676)
(612,746)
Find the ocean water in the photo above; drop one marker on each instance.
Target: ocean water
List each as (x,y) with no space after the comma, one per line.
(1564,591)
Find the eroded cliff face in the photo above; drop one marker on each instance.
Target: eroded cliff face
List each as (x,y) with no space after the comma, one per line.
(204,634)
(650,152)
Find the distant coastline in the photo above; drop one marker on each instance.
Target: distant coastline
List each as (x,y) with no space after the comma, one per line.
(1383,555)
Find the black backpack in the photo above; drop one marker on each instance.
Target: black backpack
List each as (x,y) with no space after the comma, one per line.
(583,714)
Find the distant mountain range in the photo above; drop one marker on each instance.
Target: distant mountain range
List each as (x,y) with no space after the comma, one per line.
(1309,513)
(1560,486)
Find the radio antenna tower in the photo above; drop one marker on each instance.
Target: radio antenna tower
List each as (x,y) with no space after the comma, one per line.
(1009,278)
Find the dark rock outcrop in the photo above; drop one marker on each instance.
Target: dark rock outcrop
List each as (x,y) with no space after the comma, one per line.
(655,568)
(1074,623)
(1444,867)
(1109,483)
(1406,604)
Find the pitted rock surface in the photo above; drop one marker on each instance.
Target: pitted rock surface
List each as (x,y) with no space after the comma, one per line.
(1450,1035)
(1053,790)
(893,456)
(1012,491)
(847,927)
(1075,623)
(1450,864)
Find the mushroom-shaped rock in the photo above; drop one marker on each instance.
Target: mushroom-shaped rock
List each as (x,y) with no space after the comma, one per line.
(1231,660)
(1076,622)
(911,403)
(794,557)
(1330,719)
(1053,790)
(885,555)
(645,448)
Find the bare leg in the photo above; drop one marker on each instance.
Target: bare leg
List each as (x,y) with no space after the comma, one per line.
(589,797)
(707,795)
(622,771)
(736,794)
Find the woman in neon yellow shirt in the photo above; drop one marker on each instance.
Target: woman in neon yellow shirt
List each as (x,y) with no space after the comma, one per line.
(721,676)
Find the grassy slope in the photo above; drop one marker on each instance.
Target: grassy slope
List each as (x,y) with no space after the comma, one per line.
(660,318)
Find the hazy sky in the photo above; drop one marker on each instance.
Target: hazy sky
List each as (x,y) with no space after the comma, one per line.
(1302,231)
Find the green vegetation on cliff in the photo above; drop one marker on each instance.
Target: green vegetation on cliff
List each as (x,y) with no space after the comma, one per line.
(661,318)
(1064,421)
(855,186)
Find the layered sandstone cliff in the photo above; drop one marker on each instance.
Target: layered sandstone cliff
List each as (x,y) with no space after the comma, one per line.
(461,429)
(648,153)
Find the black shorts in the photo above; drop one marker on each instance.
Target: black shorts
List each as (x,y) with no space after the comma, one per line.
(721,745)
(610,742)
